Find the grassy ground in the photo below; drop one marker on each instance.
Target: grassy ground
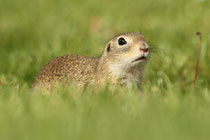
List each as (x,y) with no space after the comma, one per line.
(34,32)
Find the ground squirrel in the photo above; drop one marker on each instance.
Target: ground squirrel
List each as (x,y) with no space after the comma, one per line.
(122,60)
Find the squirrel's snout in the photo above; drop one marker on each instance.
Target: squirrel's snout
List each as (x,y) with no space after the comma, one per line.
(144,50)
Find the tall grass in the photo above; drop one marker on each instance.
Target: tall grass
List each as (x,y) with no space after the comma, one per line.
(34,32)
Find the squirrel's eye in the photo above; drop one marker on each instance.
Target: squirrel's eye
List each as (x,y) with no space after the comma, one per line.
(122,41)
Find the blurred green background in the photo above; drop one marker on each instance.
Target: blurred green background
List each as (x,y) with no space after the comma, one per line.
(34,32)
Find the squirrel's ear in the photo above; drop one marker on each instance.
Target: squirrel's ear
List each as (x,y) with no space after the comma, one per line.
(107,48)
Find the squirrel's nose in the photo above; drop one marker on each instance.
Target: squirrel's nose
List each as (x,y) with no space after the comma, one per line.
(144,48)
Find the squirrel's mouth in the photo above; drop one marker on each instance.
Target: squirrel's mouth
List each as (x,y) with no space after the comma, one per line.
(140,58)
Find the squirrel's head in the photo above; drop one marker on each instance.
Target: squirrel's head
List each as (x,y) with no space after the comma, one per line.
(126,51)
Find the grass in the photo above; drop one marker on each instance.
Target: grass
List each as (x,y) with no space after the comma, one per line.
(32,33)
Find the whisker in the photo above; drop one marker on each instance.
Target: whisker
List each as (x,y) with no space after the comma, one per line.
(153,45)
(155,50)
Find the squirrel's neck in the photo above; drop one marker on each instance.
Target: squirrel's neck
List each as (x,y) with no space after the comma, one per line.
(117,72)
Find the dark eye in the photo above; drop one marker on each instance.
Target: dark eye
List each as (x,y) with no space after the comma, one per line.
(121,41)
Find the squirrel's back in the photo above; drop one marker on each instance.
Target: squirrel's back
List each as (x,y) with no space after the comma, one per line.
(79,69)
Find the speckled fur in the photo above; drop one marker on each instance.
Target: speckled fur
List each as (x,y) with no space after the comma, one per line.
(116,65)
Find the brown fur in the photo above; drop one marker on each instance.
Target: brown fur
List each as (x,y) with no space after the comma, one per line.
(81,70)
